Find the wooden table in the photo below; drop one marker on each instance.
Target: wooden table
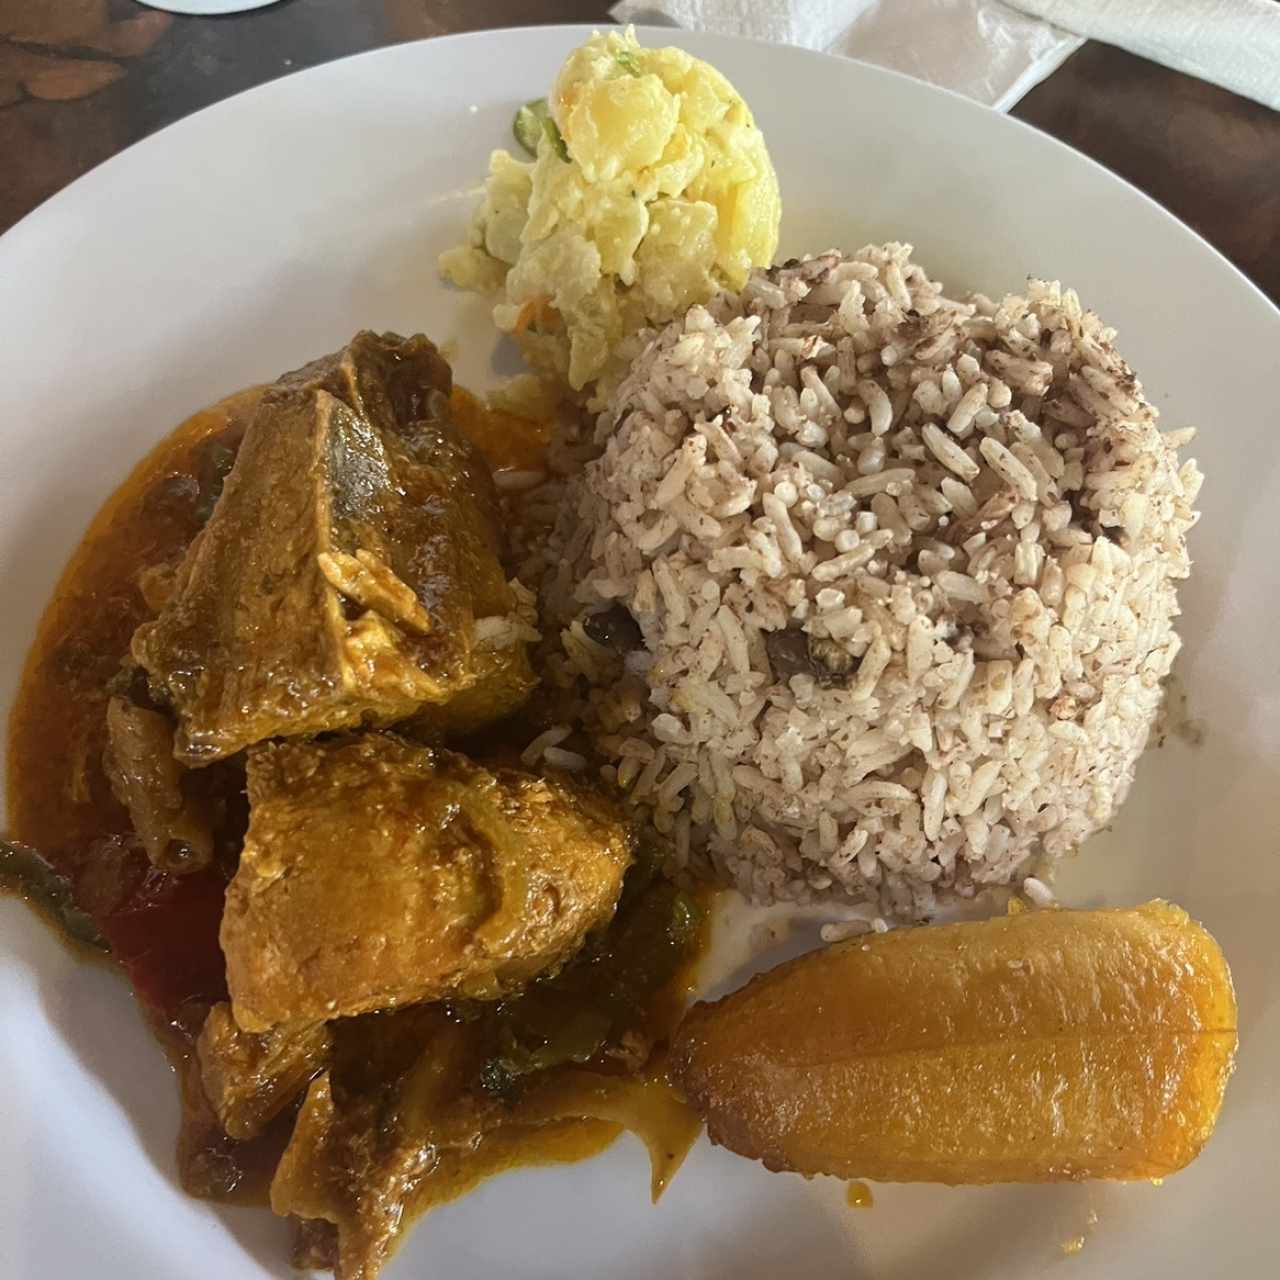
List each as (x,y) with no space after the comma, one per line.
(82,79)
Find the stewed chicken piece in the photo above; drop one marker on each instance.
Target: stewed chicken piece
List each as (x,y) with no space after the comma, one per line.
(349,574)
(378,872)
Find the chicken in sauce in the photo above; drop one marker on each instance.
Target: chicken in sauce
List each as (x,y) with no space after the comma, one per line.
(378,872)
(383,970)
(340,578)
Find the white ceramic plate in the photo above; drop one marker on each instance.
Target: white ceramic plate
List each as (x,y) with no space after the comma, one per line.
(269,228)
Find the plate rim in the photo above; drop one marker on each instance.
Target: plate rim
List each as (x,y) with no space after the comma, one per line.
(649,34)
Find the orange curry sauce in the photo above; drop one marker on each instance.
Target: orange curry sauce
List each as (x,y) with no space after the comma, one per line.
(163,929)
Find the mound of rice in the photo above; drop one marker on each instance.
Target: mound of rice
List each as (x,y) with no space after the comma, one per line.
(869,593)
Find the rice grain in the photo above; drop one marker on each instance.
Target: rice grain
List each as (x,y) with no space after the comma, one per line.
(904,568)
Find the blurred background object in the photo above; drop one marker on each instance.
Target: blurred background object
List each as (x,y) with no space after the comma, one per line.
(207,8)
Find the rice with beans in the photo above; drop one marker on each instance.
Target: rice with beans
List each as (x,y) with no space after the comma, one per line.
(867,593)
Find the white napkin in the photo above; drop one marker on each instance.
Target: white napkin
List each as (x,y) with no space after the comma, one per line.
(1233,43)
(994,52)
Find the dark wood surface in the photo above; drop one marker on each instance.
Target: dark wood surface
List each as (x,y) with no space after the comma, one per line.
(1207,155)
(82,79)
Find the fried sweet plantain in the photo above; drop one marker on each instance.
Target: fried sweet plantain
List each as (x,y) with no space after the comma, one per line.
(1046,1046)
